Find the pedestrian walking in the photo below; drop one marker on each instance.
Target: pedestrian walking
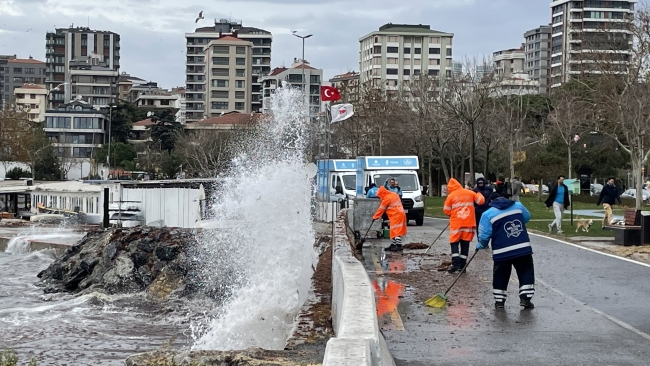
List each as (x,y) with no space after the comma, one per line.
(504,225)
(391,204)
(558,198)
(486,191)
(459,206)
(608,197)
(517,188)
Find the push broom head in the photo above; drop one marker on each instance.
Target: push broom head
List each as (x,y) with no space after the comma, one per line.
(438,301)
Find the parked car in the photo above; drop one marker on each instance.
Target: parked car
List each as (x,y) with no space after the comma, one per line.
(534,188)
(595,189)
(631,193)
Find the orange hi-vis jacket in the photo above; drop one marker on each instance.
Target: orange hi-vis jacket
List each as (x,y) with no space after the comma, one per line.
(459,206)
(392,204)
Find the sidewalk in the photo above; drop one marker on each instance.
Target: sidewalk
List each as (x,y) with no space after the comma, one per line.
(561,330)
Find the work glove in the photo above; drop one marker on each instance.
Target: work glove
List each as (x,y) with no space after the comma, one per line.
(481,245)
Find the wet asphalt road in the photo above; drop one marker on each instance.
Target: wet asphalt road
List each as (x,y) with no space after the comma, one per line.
(590,308)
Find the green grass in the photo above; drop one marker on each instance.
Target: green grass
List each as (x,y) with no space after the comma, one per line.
(9,358)
(540,216)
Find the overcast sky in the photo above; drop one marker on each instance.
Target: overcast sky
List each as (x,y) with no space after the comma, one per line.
(153,42)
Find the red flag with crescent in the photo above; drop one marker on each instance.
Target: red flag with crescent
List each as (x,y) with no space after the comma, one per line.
(329,93)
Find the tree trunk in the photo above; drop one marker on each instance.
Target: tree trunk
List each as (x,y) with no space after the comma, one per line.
(472,149)
(570,162)
(637,163)
(487,160)
(539,193)
(444,169)
(430,179)
(512,157)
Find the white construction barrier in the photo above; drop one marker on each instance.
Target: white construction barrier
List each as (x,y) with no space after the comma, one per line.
(327,211)
(354,316)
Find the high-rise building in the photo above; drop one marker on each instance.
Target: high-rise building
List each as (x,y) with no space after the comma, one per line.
(585,32)
(538,56)
(293,77)
(199,68)
(15,72)
(397,51)
(85,61)
(229,81)
(508,62)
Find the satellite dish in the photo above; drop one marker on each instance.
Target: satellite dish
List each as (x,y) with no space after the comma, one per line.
(311,170)
(149,114)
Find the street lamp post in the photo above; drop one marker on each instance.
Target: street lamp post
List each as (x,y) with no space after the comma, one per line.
(304,82)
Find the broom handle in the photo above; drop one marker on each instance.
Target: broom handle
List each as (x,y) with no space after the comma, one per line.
(439,235)
(461,272)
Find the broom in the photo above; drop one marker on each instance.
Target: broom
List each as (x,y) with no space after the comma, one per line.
(440,300)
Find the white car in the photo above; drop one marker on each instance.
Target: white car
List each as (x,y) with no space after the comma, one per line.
(534,188)
(631,193)
(595,189)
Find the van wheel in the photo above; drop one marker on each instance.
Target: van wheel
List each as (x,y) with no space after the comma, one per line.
(419,221)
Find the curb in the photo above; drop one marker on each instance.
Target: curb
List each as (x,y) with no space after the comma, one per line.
(354,316)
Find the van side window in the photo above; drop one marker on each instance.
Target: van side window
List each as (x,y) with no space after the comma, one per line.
(338,182)
(333,181)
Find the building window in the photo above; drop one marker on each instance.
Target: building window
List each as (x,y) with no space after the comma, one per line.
(407,61)
(392,49)
(407,72)
(221,49)
(434,61)
(434,40)
(434,51)
(240,106)
(240,72)
(314,79)
(449,41)
(434,72)
(418,51)
(86,123)
(416,72)
(30,70)
(81,152)
(219,83)
(393,39)
(448,51)
(18,80)
(376,50)
(295,78)
(241,61)
(220,105)
(391,61)
(239,84)
(378,39)
(407,50)
(240,95)
(220,61)
(57,122)
(391,71)
(220,72)
(18,70)
(221,94)
(241,50)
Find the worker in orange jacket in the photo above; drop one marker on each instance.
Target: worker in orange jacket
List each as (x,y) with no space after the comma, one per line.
(459,206)
(392,205)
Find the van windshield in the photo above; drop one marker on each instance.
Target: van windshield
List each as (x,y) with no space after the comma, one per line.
(408,182)
(350,182)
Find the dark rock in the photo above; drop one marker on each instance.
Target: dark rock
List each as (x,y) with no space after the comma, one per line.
(110,252)
(76,276)
(167,253)
(139,259)
(145,245)
(144,276)
(89,264)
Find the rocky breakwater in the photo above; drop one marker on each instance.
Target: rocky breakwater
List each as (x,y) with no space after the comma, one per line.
(155,260)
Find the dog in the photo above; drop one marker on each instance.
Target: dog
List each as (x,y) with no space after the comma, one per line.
(584,224)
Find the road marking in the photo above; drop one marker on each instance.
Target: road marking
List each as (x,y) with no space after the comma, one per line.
(606,316)
(394,315)
(575,245)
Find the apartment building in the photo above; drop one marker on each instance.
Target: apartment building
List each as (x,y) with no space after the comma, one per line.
(348,85)
(583,32)
(32,98)
(198,68)
(508,62)
(397,51)
(293,77)
(516,84)
(15,72)
(76,130)
(538,56)
(228,76)
(125,83)
(67,49)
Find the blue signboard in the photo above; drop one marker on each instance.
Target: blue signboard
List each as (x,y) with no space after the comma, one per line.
(345,165)
(392,162)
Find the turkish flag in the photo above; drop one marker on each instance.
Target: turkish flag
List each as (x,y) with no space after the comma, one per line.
(329,93)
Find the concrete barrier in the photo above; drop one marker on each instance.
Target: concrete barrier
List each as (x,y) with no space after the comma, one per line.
(354,316)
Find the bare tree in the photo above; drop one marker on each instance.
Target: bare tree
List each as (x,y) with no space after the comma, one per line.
(204,152)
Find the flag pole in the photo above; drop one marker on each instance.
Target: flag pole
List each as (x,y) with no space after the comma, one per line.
(328,121)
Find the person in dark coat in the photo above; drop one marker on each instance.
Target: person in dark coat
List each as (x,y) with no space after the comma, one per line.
(484,189)
(608,197)
(558,198)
